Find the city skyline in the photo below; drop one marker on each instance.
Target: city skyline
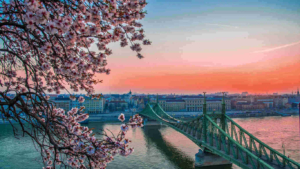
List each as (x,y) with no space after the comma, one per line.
(293,92)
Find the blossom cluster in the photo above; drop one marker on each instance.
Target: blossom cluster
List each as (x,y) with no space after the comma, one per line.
(56,38)
(99,152)
(47,48)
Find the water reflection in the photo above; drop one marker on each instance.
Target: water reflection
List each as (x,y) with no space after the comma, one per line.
(153,135)
(157,147)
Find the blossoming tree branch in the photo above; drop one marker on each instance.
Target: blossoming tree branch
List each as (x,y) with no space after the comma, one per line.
(45,47)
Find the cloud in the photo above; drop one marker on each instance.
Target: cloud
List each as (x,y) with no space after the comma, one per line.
(221,25)
(276,48)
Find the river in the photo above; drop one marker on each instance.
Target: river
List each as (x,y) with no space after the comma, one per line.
(158,147)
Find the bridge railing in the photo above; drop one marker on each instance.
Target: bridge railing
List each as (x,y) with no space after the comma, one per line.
(234,140)
(230,146)
(157,108)
(258,147)
(219,141)
(154,115)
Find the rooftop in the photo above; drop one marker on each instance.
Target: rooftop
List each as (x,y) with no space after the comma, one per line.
(117,101)
(175,101)
(62,98)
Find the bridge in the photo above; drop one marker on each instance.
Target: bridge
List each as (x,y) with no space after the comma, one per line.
(220,135)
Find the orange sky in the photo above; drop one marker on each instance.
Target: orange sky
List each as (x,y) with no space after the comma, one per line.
(279,79)
(277,74)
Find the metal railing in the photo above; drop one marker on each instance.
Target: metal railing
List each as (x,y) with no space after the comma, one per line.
(233,143)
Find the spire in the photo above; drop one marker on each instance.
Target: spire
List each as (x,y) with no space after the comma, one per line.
(157,98)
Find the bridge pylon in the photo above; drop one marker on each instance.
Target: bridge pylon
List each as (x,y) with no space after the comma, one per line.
(223,121)
(233,143)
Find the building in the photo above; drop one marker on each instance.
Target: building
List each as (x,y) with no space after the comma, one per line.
(63,102)
(193,103)
(174,105)
(288,105)
(122,97)
(214,104)
(268,102)
(295,105)
(279,102)
(92,106)
(162,103)
(117,105)
(250,106)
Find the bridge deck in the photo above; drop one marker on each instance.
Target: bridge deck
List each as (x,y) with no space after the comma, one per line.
(219,141)
(213,148)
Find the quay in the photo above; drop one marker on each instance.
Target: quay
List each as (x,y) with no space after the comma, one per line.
(113,117)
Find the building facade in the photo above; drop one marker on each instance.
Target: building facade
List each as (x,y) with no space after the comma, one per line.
(64,103)
(194,104)
(117,105)
(92,106)
(175,105)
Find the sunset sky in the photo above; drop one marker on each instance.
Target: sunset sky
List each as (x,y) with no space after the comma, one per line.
(213,46)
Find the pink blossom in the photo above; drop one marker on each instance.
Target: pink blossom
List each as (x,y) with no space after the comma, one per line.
(90,150)
(52,45)
(124,127)
(81,99)
(51,28)
(30,24)
(121,117)
(73,98)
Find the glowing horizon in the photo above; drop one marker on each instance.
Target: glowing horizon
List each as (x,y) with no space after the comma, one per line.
(232,46)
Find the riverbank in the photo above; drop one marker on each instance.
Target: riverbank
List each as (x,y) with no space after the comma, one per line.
(113,117)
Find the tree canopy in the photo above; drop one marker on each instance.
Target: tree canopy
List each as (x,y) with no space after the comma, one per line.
(46,48)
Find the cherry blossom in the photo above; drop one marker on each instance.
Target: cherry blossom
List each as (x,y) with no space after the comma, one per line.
(121,117)
(81,99)
(46,49)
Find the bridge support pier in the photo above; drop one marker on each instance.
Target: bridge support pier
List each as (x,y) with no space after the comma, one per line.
(207,160)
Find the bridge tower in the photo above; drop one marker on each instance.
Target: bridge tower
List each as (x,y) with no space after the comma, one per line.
(204,119)
(223,113)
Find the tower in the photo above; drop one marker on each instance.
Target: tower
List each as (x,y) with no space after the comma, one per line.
(298,92)
(130,93)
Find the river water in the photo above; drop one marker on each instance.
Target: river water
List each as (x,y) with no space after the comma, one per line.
(158,147)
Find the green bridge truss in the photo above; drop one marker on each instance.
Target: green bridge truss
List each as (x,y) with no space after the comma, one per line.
(220,135)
